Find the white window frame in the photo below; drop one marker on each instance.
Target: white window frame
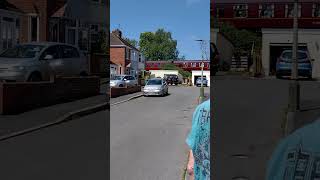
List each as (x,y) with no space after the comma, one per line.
(314,9)
(260,10)
(287,9)
(30,16)
(237,6)
(217,12)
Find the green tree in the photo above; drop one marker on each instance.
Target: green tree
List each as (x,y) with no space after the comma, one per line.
(133,42)
(158,45)
(170,66)
(242,39)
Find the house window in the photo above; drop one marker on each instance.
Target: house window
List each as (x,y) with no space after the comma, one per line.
(34,28)
(240,11)
(127,53)
(316,10)
(17,31)
(7,29)
(194,64)
(266,10)
(219,13)
(290,10)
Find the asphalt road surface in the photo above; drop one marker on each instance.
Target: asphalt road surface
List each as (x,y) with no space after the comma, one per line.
(148,135)
(247,125)
(72,150)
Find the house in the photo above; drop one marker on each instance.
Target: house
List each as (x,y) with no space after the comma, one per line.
(126,56)
(75,22)
(274,20)
(193,66)
(9,25)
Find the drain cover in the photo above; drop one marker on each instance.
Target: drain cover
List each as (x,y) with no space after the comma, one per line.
(240,178)
(240,156)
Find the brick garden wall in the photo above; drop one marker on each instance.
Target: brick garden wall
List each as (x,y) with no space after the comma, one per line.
(116,92)
(20,97)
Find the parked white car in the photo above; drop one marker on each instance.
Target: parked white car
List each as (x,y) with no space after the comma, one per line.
(38,61)
(123,81)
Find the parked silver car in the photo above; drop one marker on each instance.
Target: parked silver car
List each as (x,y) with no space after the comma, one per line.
(123,80)
(156,86)
(37,61)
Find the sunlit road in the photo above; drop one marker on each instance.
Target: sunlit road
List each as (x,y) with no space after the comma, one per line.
(148,135)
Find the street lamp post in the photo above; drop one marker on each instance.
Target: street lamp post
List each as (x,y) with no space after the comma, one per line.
(202,45)
(294,87)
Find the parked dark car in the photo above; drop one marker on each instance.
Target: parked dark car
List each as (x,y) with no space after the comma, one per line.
(284,64)
(171,79)
(215,59)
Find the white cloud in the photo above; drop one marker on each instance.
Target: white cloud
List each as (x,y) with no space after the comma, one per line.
(191,2)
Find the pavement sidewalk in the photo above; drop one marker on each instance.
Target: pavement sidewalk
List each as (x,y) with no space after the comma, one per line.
(124,98)
(14,123)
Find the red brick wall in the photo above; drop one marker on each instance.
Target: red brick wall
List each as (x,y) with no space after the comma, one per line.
(117,55)
(37,7)
(20,97)
(115,92)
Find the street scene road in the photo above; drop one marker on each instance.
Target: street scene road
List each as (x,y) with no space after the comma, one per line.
(73,150)
(248,121)
(148,135)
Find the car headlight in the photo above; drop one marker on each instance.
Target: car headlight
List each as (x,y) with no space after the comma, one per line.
(17,68)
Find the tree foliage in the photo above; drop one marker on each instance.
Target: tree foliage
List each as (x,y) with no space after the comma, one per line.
(242,39)
(170,66)
(158,45)
(133,42)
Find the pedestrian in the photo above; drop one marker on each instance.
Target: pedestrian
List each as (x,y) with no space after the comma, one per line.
(297,156)
(198,141)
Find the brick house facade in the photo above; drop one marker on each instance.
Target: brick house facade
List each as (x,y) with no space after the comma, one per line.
(127,57)
(74,22)
(273,19)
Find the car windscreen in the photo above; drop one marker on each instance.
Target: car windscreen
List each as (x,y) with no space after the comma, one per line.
(118,78)
(154,82)
(22,51)
(288,55)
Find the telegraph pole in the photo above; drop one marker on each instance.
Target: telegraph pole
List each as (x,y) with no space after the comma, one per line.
(294,88)
(202,46)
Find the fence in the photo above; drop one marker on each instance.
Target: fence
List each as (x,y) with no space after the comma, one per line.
(239,64)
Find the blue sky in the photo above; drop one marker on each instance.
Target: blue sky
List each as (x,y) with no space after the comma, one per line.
(187,20)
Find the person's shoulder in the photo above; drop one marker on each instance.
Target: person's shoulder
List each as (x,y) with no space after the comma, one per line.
(205,104)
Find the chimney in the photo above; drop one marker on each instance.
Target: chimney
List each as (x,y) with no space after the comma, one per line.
(118,33)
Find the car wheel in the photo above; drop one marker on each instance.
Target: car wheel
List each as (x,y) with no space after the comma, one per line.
(35,77)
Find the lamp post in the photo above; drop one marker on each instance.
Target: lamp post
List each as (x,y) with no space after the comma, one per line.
(294,87)
(202,46)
